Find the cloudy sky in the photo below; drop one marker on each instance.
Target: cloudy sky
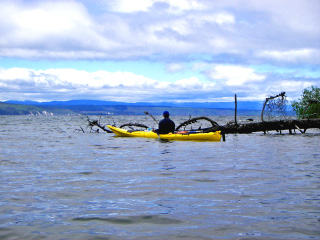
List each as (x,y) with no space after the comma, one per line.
(158,50)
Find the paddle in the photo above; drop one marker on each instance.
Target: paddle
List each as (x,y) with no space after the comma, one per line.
(147,113)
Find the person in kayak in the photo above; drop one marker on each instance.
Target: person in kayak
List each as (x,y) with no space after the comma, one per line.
(166,125)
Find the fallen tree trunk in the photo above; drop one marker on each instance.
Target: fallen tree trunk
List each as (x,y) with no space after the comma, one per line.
(278,125)
(96,123)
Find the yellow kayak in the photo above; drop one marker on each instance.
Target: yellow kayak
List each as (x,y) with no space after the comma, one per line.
(181,136)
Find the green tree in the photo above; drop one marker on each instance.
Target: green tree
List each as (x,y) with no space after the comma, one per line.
(308,106)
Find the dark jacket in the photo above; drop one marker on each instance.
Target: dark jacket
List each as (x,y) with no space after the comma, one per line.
(166,125)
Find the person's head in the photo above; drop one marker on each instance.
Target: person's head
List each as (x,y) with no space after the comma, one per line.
(166,114)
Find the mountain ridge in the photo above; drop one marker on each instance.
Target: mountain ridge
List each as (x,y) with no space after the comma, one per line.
(96,107)
(242,105)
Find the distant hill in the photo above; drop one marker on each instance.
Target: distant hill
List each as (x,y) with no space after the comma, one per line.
(21,109)
(93,107)
(242,105)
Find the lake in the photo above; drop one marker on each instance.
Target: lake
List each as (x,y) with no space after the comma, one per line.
(60,183)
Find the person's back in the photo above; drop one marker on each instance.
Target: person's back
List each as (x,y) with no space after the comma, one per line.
(166,125)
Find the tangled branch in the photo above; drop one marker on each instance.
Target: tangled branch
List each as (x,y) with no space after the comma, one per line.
(195,120)
(275,106)
(94,123)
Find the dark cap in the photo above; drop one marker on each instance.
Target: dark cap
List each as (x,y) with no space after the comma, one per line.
(166,114)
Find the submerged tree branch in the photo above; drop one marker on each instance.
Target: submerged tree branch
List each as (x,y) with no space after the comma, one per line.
(271,126)
(94,123)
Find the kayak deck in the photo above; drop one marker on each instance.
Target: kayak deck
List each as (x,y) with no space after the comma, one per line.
(184,136)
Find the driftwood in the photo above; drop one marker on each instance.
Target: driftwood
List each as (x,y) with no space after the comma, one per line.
(265,126)
(130,125)
(277,125)
(197,119)
(95,123)
(235,109)
(282,95)
(272,125)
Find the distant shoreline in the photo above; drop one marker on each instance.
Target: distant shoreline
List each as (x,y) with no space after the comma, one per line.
(65,109)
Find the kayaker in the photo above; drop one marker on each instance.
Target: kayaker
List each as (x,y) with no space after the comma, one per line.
(166,125)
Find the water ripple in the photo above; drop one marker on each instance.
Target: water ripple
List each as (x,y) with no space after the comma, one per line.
(58,183)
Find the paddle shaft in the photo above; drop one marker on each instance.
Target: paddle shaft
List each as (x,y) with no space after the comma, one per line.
(151,117)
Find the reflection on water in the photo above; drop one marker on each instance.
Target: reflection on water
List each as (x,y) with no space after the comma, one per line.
(59,183)
(133,220)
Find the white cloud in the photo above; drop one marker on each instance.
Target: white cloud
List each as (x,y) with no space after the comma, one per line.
(131,6)
(235,75)
(175,67)
(220,18)
(94,80)
(72,81)
(293,55)
(175,6)
(45,29)
(67,84)
(220,38)
(291,85)
(14,74)
(189,83)
(252,30)
(97,85)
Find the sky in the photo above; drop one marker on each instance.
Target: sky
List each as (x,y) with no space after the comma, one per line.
(158,50)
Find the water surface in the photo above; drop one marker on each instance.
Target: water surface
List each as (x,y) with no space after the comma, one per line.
(60,183)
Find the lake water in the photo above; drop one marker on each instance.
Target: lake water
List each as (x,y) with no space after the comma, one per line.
(60,183)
